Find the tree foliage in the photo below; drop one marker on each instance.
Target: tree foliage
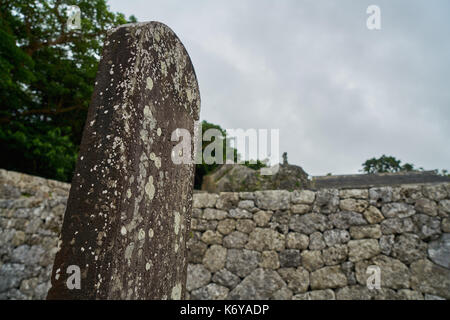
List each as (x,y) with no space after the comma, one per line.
(385,164)
(47,74)
(204,169)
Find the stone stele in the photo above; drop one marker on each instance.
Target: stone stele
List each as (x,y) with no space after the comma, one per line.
(129,208)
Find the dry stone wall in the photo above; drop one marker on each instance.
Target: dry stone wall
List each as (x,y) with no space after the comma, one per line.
(318,245)
(262,245)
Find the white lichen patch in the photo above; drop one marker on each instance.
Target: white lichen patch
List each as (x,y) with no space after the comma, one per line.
(177,220)
(158,132)
(149,83)
(141,234)
(123,231)
(147,111)
(150,233)
(150,188)
(129,193)
(129,251)
(176,292)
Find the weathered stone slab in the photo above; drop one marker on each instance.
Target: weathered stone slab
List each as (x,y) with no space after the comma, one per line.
(125,225)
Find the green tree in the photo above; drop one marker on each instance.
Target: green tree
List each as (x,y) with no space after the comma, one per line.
(47,74)
(203,169)
(385,164)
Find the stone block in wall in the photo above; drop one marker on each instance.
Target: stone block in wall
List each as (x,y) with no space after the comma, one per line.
(309,223)
(327,201)
(210,292)
(427,277)
(295,240)
(393,273)
(239,214)
(336,236)
(261,284)
(242,261)
(362,232)
(346,219)
(326,294)
(435,192)
(439,251)
(236,240)
(270,260)
(204,200)
(426,206)
(328,278)
(273,199)
(197,276)
(312,259)
(427,227)
(297,279)
(226,278)
(362,249)
(335,255)
(302,197)
(226,226)
(227,200)
(354,193)
(290,258)
(408,248)
(214,214)
(262,218)
(353,205)
(397,210)
(265,239)
(245,225)
(373,215)
(397,226)
(380,195)
(215,258)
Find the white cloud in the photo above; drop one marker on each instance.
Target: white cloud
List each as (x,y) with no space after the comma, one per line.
(339,93)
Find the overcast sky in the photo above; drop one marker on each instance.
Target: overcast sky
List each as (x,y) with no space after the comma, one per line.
(339,93)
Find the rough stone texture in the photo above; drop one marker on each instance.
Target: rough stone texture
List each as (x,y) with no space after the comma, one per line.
(316,241)
(345,219)
(302,197)
(124,183)
(408,248)
(394,274)
(261,284)
(236,239)
(289,258)
(242,262)
(327,294)
(427,277)
(362,249)
(439,251)
(362,232)
(211,292)
(412,251)
(309,223)
(296,279)
(336,236)
(373,215)
(335,255)
(215,258)
(296,240)
(197,277)
(226,278)
(328,278)
(270,260)
(327,201)
(273,200)
(265,239)
(312,260)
